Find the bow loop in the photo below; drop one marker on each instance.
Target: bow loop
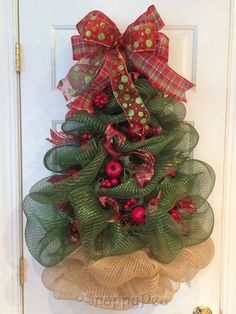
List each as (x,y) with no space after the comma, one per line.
(150,16)
(140,38)
(98,28)
(85,49)
(162,47)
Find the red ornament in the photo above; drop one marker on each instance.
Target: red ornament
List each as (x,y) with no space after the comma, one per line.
(114,182)
(113,169)
(100,100)
(86,136)
(126,207)
(106,183)
(133,201)
(130,203)
(138,215)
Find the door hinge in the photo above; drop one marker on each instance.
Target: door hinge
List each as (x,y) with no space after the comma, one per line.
(22,271)
(18,57)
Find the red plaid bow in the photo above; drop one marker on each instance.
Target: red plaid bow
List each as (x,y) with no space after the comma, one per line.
(106,52)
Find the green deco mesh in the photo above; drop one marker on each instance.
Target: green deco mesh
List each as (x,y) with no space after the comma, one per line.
(48,225)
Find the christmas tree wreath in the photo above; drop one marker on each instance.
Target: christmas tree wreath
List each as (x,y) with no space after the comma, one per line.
(124,219)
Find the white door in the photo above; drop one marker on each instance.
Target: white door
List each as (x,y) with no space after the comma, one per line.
(198,32)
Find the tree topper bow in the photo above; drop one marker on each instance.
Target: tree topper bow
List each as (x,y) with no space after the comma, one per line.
(103,52)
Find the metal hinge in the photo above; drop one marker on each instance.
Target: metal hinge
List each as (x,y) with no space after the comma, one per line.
(18,57)
(22,271)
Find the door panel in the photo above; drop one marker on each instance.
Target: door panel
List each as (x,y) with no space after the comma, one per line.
(198,50)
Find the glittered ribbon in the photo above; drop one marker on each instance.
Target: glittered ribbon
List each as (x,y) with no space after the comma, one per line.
(106,53)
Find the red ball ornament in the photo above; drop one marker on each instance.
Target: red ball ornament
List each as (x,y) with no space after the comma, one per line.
(114,182)
(86,136)
(138,215)
(133,201)
(113,169)
(106,183)
(130,203)
(100,100)
(126,207)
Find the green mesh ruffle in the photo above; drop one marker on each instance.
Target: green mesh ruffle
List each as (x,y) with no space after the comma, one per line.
(47,228)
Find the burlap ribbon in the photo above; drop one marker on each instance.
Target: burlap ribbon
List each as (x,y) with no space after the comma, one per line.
(122,282)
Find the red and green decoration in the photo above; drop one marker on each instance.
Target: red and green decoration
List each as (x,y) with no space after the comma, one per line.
(123,177)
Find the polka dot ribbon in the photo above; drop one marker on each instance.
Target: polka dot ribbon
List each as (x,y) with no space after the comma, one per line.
(107,53)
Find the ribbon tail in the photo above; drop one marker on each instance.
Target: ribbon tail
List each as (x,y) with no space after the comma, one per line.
(161,75)
(126,94)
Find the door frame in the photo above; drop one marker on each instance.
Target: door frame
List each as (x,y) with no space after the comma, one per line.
(11,231)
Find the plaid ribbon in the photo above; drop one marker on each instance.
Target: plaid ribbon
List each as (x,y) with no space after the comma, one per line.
(144,173)
(110,133)
(187,204)
(106,200)
(153,205)
(60,138)
(106,52)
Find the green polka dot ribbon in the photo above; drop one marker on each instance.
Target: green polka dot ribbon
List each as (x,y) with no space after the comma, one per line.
(127,95)
(99,39)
